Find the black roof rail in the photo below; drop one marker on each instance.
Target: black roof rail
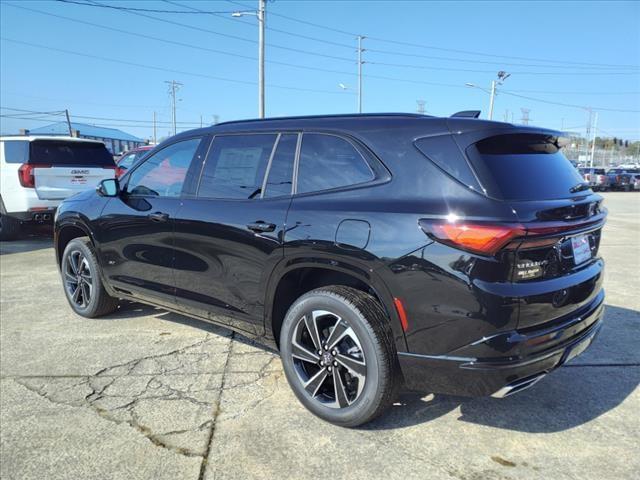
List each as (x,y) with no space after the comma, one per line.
(467,114)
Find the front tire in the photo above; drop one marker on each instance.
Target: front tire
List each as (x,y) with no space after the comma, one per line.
(82,281)
(339,356)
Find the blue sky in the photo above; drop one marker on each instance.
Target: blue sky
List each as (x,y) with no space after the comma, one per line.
(555,51)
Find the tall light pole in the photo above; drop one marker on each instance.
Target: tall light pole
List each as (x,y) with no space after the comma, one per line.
(261,15)
(360,62)
(173,88)
(502,76)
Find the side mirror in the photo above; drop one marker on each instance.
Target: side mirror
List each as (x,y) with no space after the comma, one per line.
(109,187)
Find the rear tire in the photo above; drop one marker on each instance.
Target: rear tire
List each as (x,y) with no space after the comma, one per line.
(356,377)
(9,227)
(82,280)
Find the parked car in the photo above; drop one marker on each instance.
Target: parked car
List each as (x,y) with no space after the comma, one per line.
(622,178)
(596,178)
(457,255)
(39,172)
(128,159)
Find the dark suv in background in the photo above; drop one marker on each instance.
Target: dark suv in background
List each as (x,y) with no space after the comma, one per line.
(453,255)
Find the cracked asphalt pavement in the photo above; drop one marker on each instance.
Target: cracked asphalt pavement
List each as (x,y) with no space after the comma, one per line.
(148,394)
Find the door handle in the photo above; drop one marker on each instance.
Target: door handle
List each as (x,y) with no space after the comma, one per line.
(159,217)
(261,227)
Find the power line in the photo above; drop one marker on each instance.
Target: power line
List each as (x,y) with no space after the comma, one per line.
(425,67)
(132,9)
(582,107)
(235,37)
(433,47)
(486,62)
(163,69)
(178,43)
(271,29)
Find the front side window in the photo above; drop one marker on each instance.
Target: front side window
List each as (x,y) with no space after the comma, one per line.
(163,173)
(236,165)
(327,162)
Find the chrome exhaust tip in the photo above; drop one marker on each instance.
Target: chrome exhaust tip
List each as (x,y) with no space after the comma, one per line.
(46,217)
(37,217)
(519,385)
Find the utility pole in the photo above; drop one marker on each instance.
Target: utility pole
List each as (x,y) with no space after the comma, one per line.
(200,121)
(525,116)
(66,112)
(588,134)
(173,88)
(593,141)
(421,106)
(262,5)
(154,129)
(491,100)
(360,62)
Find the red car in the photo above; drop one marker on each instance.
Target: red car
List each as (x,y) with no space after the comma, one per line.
(130,158)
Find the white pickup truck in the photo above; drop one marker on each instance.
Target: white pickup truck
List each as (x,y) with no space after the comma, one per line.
(37,173)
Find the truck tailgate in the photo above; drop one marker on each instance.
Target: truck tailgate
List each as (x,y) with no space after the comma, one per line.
(59,182)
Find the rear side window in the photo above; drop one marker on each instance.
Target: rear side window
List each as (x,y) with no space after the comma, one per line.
(236,166)
(280,174)
(86,154)
(444,152)
(523,167)
(327,161)
(16,151)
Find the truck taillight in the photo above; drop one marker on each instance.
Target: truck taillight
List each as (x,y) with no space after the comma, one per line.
(25,174)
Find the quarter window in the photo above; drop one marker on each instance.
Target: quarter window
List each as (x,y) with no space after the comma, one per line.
(236,166)
(163,173)
(327,161)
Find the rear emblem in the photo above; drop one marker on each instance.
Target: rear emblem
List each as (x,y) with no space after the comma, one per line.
(79,172)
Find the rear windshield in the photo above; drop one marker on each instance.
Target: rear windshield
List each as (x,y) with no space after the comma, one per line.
(54,152)
(523,167)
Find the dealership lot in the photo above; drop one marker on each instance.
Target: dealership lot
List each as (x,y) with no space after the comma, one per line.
(144,393)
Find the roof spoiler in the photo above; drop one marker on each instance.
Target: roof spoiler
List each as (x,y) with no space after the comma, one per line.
(466,114)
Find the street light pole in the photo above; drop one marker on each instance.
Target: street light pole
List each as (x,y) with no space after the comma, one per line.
(491,99)
(261,21)
(359,74)
(261,16)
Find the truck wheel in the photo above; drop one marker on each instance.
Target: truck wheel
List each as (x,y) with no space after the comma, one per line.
(9,227)
(339,356)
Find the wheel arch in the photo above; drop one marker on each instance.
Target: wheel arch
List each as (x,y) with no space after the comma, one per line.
(294,277)
(67,230)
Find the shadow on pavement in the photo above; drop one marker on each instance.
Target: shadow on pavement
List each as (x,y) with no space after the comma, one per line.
(589,386)
(31,238)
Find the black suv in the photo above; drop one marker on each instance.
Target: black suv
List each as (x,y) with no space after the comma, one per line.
(453,255)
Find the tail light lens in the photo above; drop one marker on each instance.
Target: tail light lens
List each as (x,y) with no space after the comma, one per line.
(475,238)
(489,239)
(26,176)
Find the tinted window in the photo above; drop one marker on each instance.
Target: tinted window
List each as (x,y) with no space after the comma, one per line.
(54,152)
(523,167)
(327,161)
(164,172)
(280,172)
(16,151)
(444,152)
(236,165)
(128,160)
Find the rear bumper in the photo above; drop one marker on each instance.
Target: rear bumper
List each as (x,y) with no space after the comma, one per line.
(529,355)
(36,215)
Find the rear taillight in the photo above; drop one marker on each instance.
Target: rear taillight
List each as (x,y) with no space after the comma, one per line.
(472,237)
(587,176)
(25,174)
(489,239)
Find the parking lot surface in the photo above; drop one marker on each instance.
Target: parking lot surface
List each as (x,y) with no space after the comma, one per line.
(147,394)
